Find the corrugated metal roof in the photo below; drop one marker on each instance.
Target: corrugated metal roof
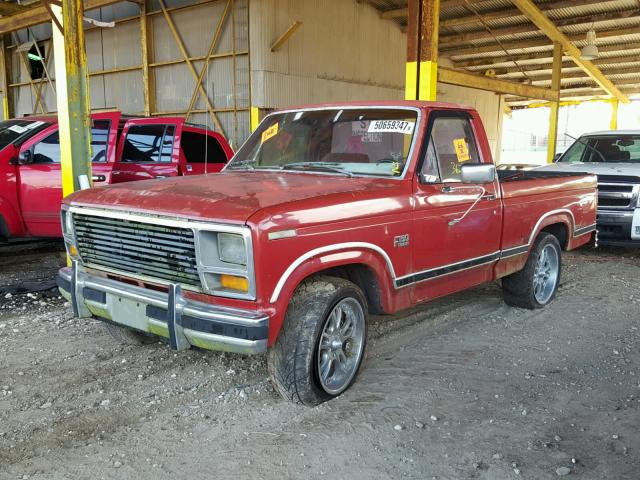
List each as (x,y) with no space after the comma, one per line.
(464,37)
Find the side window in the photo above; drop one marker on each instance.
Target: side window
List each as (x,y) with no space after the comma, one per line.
(454,145)
(430,165)
(198,147)
(148,143)
(47,150)
(99,140)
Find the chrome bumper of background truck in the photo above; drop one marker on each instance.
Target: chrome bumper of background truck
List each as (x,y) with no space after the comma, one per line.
(168,314)
(614,228)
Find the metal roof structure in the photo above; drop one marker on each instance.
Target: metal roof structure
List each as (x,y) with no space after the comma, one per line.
(495,38)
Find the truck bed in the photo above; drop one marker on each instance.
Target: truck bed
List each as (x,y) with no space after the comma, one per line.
(519,175)
(530,195)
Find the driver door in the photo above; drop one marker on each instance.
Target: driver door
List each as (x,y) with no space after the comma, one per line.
(457,243)
(40,182)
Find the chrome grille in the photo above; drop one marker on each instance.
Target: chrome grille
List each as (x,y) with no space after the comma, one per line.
(138,248)
(616,195)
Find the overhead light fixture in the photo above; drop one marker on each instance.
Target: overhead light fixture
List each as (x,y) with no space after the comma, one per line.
(590,50)
(34,57)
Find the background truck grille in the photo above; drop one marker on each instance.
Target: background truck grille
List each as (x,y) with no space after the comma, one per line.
(137,248)
(618,195)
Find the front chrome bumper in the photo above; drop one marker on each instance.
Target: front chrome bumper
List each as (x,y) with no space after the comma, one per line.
(614,228)
(184,322)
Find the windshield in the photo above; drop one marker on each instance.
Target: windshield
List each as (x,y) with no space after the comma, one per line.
(604,148)
(340,141)
(12,130)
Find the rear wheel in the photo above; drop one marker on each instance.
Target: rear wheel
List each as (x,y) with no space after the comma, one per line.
(322,341)
(537,283)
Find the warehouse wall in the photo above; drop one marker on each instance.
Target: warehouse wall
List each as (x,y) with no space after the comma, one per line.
(343,51)
(115,63)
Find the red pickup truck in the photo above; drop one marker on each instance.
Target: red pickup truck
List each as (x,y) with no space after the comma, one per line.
(30,184)
(325,215)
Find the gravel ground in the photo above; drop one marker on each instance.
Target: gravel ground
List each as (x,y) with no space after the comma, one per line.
(461,388)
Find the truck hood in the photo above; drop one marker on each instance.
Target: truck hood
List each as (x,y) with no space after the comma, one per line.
(613,169)
(227,197)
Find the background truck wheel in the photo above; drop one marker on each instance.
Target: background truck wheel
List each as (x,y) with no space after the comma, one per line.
(128,336)
(536,284)
(321,343)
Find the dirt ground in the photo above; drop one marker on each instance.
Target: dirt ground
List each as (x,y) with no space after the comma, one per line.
(461,388)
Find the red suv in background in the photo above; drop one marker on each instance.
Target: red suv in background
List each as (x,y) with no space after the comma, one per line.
(123,149)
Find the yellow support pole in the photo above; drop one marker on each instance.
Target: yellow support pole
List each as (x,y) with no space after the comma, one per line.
(5,65)
(422,50)
(556,75)
(72,95)
(614,114)
(144,53)
(254,118)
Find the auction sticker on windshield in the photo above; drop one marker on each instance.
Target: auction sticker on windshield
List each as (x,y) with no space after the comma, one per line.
(269,132)
(391,126)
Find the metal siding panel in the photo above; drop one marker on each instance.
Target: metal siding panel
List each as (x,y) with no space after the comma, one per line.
(121,45)
(124,91)
(332,56)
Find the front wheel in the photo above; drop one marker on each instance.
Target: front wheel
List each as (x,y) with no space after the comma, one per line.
(537,283)
(321,343)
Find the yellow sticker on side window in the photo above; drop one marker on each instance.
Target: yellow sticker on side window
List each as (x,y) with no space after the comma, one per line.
(270,132)
(462,150)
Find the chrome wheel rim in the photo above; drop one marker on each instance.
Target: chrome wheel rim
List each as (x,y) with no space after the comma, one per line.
(340,346)
(545,275)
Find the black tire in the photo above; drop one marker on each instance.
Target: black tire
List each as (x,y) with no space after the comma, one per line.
(128,336)
(292,361)
(518,288)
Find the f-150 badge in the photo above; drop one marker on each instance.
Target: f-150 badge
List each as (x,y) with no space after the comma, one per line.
(401,240)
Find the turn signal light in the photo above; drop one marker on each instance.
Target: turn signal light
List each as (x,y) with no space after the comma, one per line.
(234,283)
(73,251)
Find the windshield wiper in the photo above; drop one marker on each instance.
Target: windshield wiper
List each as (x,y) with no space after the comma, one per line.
(318,166)
(586,145)
(241,164)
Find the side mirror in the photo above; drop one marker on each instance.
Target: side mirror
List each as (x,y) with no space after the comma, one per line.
(483,173)
(25,157)
(556,157)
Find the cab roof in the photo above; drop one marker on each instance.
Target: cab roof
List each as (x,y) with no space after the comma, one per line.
(382,104)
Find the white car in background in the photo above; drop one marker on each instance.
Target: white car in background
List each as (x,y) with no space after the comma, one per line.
(614,156)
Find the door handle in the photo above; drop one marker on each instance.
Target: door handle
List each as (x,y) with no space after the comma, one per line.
(488,196)
(98,178)
(160,176)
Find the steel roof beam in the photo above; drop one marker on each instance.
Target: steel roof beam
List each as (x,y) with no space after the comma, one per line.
(548,28)
(462,38)
(544,57)
(541,42)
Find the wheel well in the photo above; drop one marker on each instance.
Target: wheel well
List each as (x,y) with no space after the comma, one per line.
(363,277)
(559,230)
(4,229)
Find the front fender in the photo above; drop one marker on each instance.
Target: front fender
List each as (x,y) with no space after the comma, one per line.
(319,260)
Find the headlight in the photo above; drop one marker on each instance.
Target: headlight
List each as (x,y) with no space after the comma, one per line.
(225,263)
(231,248)
(66,220)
